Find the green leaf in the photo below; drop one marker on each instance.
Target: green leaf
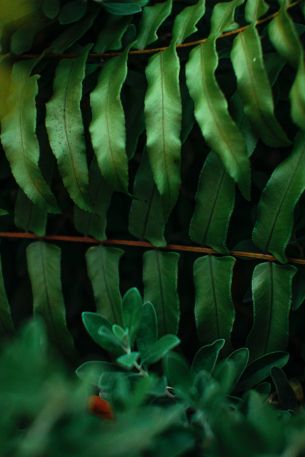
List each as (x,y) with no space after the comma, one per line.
(100,331)
(100,194)
(214,310)
(28,216)
(163,113)
(65,127)
(132,312)
(134,110)
(212,115)
(23,38)
(159,349)
(285,394)
(229,371)
(297,97)
(120,333)
(50,8)
(271,288)
(128,360)
(44,267)
(298,295)
(72,34)
(254,9)
(214,204)
(107,128)
(223,17)
(147,216)
(254,87)
(160,275)
(207,356)
(152,18)
(284,37)
(185,22)
(177,371)
(19,139)
(103,271)
(260,368)
(72,11)
(91,371)
(148,331)
(121,9)
(274,222)
(6,322)
(111,35)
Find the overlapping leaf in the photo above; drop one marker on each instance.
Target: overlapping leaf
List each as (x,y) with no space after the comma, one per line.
(152,18)
(211,107)
(214,310)
(274,223)
(271,288)
(215,199)
(163,114)
(254,87)
(108,123)
(103,271)
(19,139)
(160,276)
(94,223)
(65,127)
(44,266)
(147,216)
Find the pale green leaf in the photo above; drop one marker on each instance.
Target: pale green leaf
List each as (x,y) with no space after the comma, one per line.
(147,216)
(44,267)
(6,322)
(163,113)
(103,271)
(271,288)
(214,310)
(100,193)
(212,115)
(254,87)
(107,128)
(152,18)
(128,360)
(65,127)
(19,138)
(160,277)
(274,223)
(284,37)
(297,96)
(214,204)
(185,22)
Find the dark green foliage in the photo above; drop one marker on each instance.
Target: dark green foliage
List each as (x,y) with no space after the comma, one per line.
(199,140)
